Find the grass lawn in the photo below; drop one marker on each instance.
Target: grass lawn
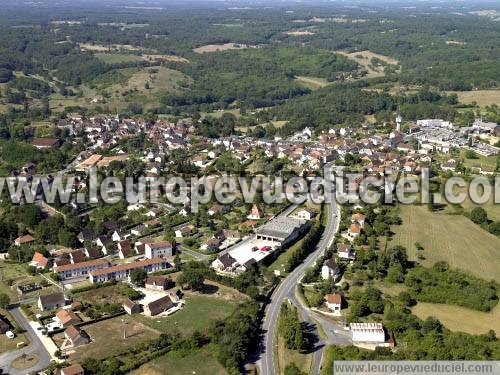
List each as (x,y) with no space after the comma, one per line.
(491,207)
(25,362)
(390,289)
(107,294)
(451,238)
(281,261)
(13,274)
(200,362)
(460,318)
(483,161)
(197,315)
(107,337)
(286,356)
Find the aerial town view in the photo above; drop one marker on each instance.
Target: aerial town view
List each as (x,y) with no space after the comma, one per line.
(249,187)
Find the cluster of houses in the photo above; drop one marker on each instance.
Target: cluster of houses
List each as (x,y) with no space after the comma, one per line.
(93,261)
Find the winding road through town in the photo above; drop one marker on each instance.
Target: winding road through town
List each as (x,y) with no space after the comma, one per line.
(286,290)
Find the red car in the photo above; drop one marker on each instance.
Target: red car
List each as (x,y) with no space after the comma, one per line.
(266,248)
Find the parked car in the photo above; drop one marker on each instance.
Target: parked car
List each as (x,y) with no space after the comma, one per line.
(10,334)
(255,248)
(266,248)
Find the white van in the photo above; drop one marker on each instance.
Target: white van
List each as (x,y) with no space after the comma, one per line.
(10,334)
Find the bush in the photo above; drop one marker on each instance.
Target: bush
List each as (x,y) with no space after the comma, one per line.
(478,215)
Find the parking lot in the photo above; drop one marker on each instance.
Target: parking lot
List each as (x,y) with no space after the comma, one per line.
(243,252)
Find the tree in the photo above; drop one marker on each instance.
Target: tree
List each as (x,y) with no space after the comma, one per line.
(494,228)
(177,262)
(191,278)
(4,300)
(478,215)
(291,328)
(292,369)
(138,276)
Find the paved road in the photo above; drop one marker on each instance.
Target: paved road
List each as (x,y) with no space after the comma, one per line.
(286,290)
(36,348)
(195,254)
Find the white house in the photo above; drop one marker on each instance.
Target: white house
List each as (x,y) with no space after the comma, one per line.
(330,269)
(158,250)
(345,251)
(306,214)
(334,302)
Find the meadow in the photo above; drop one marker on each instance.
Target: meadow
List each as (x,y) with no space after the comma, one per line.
(476,251)
(460,319)
(197,315)
(200,362)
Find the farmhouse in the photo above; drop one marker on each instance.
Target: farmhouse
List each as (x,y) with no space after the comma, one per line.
(67,318)
(51,301)
(75,369)
(122,271)
(158,282)
(159,306)
(124,249)
(224,263)
(306,214)
(354,231)
(71,271)
(45,143)
(330,269)
(256,213)
(345,251)
(39,261)
(131,307)
(334,302)
(185,230)
(158,249)
(24,240)
(75,337)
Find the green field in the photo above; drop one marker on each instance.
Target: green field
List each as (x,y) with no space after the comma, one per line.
(283,258)
(118,90)
(197,315)
(492,208)
(459,318)
(312,83)
(286,356)
(199,362)
(107,337)
(117,58)
(483,161)
(451,238)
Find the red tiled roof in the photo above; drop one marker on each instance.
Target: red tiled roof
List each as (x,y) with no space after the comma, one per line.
(127,266)
(39,259)
(334,298)
(93,262)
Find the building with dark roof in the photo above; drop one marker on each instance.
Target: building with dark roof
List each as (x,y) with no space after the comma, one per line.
(51,301)
(159,306)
